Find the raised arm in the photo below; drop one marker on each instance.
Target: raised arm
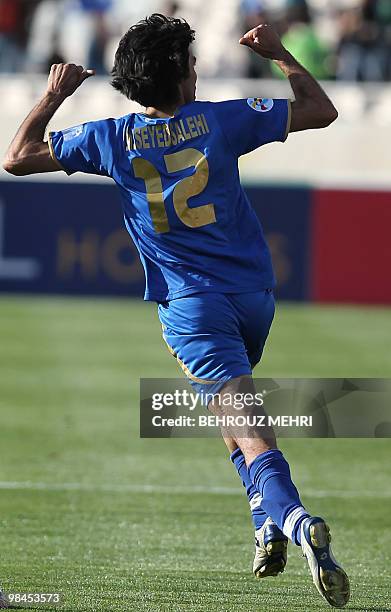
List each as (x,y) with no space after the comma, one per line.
(28,153)
(312,108)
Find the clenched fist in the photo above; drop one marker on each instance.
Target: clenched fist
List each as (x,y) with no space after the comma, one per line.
(265,41)
(64,79)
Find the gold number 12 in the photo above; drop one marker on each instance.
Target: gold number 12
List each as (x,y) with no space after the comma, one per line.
(183,190)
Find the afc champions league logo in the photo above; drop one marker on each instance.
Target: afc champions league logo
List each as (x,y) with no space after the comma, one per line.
(261,105)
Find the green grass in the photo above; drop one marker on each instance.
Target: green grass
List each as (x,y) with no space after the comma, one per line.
(90,510)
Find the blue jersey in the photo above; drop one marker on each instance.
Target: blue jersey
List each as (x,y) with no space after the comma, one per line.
(182,200)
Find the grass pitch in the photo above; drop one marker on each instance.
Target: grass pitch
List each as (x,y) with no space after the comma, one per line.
(116,523)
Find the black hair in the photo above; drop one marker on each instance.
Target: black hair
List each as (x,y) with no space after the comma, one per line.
(152,59)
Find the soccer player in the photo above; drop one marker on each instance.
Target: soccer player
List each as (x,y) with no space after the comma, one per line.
(206,261)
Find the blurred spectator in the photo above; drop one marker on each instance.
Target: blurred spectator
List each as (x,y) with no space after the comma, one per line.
(75,30)
(364,48)
(15,17)
(100,34)
(254,14)
(43,51)
(218,28)
(36,33)
(171,8)
(303,41)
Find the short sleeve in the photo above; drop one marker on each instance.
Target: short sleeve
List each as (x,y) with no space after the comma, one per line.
(253,122)
(90,147)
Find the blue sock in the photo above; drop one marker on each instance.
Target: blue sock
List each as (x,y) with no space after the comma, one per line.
(258,515)
(280,499)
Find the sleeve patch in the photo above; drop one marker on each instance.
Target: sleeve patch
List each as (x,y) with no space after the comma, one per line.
(261,105)
(72,133)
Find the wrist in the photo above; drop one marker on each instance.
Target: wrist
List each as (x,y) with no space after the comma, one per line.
(283,57)
(53,97)
(289,65)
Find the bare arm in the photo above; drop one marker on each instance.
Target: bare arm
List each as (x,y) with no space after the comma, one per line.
(312,108)
(28,153)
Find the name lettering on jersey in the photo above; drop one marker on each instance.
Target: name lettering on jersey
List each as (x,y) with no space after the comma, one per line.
(167,134)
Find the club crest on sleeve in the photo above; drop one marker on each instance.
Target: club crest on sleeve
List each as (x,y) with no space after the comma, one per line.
(261,105)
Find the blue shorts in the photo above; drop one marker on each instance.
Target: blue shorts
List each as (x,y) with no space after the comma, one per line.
(217,336)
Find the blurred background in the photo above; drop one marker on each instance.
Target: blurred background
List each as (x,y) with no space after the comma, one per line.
(347,40)
(323,196)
